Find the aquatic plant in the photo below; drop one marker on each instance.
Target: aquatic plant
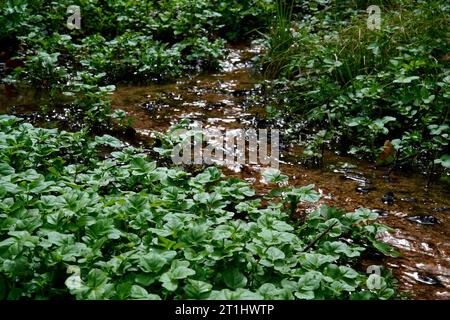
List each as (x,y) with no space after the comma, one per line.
(75,223)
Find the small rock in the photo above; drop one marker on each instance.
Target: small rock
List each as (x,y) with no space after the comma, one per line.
(381,212)
(423,278)
(343,169)
(364,187)
(424,219)
(357,176)
(388,198)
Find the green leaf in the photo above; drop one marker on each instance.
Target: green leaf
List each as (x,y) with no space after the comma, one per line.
(444,161)
(71,252)
(2,191)
(310,281)
(209,175)
(152,262)
(348,272)
(99,288)
(96,279)
(234,279)
(314,261)
(374,47)
(6,170)
(304,295)
(268,290)
(202,197)
(108,141)
(181,273)
(338,247)
(404,79)
(168,283)
(305,194)
(272,175)
(139,293)
(145,279)
(11,187)
(239,294)
(275,254)
(361,215)
(385,249)
(197,289)
(141,167)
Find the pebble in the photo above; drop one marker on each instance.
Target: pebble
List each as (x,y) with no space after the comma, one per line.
(427,279)
(372,254)
(381,212)
(388,198)
(364,188)
(424,219)
(358,177)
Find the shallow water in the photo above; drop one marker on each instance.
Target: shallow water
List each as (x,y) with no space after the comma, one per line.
(224,101)
(232,99)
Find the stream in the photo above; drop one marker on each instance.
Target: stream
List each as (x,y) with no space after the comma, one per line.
(225,100)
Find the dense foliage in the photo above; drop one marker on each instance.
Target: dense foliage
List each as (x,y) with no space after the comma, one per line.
(355,87)
(147,39)
(75,222)
(90,217)
(119,41)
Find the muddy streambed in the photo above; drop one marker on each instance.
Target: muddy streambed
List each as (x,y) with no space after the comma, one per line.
(226,100)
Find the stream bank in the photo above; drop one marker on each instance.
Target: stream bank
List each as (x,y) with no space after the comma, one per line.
(226,100)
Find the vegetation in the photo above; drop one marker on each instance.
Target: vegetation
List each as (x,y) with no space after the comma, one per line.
(76,223)
(85,216)
(119,41)
(356,87)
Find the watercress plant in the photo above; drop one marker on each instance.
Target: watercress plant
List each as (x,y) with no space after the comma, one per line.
(76,222)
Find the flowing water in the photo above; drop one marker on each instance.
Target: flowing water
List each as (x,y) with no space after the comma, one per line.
(226,100)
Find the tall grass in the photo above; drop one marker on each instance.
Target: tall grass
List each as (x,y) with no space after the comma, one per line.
(280,39)
(358,50)
(363,51)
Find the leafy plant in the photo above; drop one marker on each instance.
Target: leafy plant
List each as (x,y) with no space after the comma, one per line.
(76,224)
(367,86)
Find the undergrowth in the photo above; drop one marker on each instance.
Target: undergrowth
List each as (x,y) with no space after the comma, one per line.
(78,223)
(354,88)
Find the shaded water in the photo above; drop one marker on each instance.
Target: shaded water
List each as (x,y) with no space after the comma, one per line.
(231,99)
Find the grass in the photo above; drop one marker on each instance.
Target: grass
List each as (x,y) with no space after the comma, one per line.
(406,26)
(366,86)
(280,38)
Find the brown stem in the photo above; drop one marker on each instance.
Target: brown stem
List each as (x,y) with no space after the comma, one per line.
(309,246)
